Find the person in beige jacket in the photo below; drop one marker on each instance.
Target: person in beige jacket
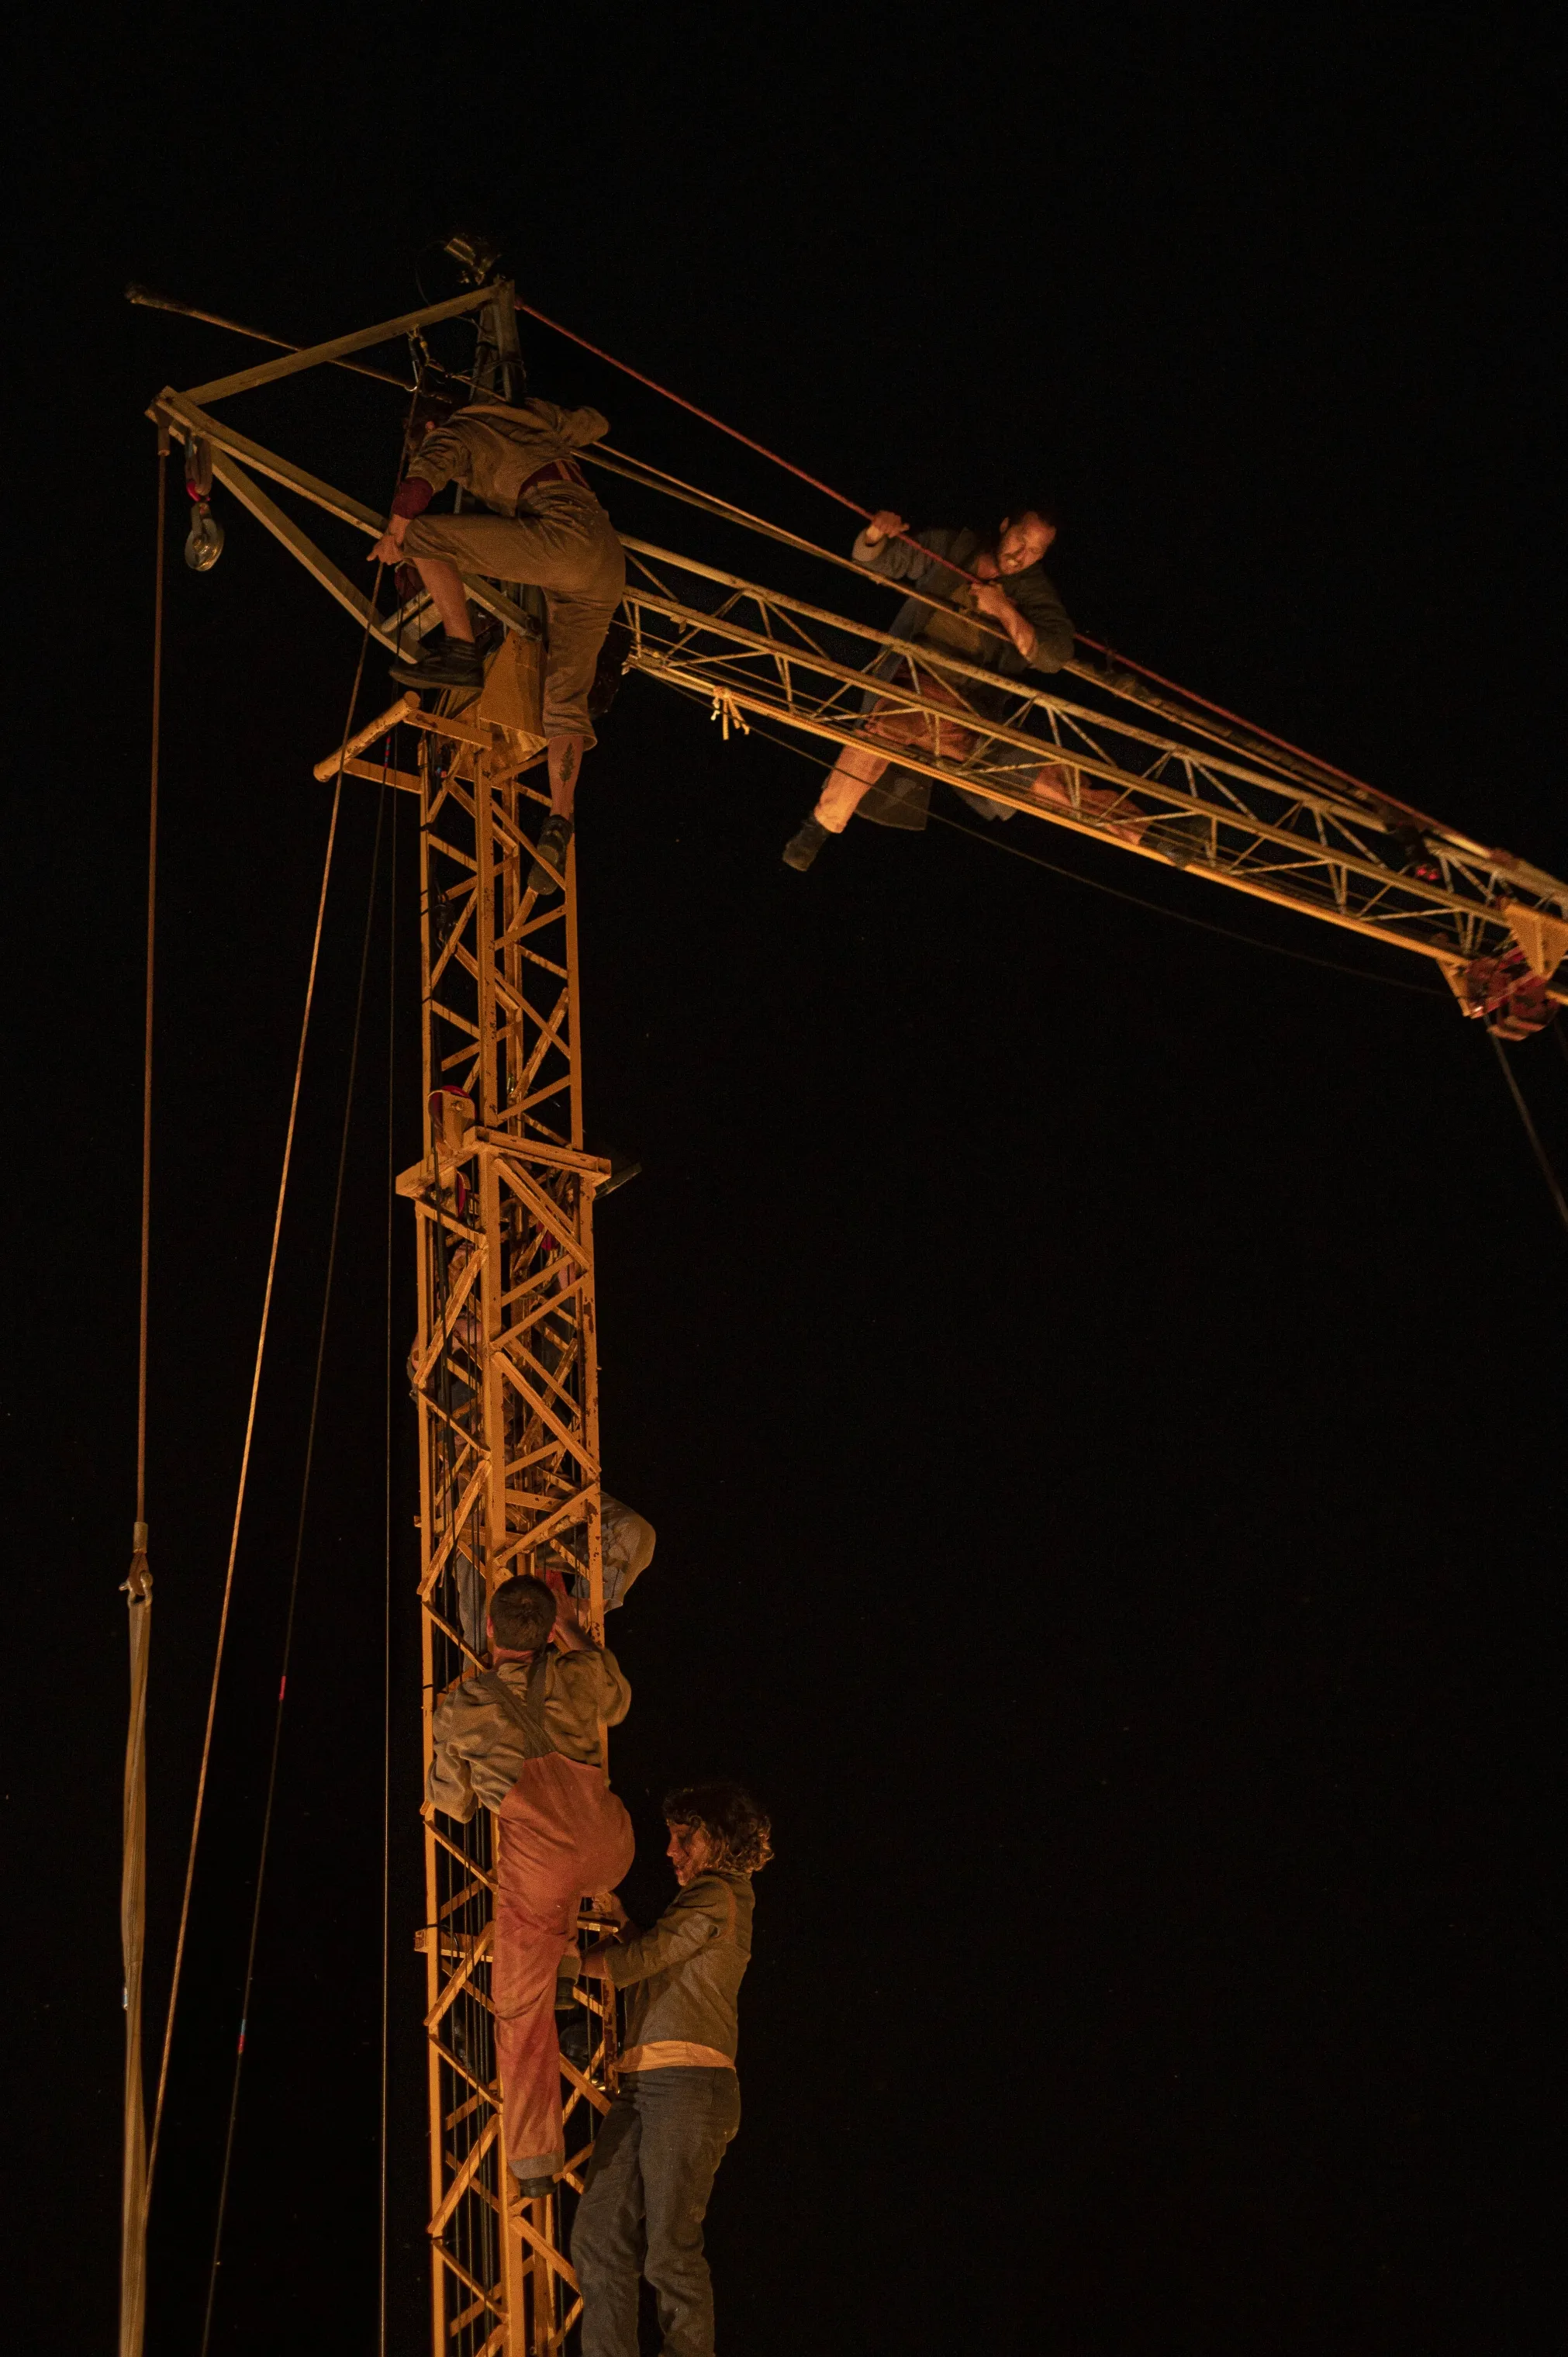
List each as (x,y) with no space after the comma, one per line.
(535,520)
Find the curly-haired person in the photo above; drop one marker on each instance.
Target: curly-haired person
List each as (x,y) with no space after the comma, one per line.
(647,2190)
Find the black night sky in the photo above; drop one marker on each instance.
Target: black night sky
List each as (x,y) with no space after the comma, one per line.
(1097,1380)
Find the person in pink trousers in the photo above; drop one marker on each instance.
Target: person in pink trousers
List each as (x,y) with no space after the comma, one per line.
(523,1739)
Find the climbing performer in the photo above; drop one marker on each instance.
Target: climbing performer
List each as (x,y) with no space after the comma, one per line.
(537,521)
(523,1739)
(1036,636)
(646,2192)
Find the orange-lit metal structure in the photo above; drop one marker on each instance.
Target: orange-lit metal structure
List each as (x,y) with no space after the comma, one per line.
(504,1373)
(503,1365)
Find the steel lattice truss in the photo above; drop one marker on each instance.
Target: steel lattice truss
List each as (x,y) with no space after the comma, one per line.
(503,1366)
(504,1373)
(1110,759)
(1150,773)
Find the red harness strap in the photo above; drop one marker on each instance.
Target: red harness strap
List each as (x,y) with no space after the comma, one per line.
(559,470)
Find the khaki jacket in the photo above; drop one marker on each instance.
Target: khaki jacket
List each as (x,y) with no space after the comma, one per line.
(491,449)
(481,1750)
(685,1973)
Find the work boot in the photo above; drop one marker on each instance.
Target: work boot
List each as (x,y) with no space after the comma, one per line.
(1183,838)
(554,836)
(535,2189)
(572,2036)
(623,1166)
(456,663)
(804,844)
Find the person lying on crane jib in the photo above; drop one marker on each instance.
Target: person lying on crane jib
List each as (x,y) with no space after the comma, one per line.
(678,2105)
(1027,609)
(523,1739)
(537,521)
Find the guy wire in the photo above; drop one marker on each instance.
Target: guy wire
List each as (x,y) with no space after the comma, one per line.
(251,1410)
(1554,1185)
(294,1576)
(1203,924)
(947,564)
(137,1585)
(386,1606)
(147,1033)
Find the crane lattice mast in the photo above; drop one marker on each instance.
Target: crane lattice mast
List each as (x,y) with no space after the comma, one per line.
(505,1376)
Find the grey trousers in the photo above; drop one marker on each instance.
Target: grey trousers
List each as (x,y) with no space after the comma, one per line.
(564,542)
(643,2205)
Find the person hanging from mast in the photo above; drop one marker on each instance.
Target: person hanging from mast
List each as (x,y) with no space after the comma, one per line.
(523,1739)
(678,2106)
(940,563)
(537,521)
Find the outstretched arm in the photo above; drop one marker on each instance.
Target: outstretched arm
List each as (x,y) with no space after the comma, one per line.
(568,1631)
(884,546)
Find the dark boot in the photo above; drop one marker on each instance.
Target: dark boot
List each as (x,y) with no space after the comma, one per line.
(1183,838)
(456,663)
(572,2036)
(554,836)
(804,844)
(535,2189)
(623,1165)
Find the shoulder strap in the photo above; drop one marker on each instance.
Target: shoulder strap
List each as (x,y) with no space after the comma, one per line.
(526,1711)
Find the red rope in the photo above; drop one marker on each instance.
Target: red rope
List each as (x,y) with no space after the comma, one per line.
(1221,710)
(708,419)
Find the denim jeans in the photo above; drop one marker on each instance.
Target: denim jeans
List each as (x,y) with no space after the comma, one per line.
(643,2206)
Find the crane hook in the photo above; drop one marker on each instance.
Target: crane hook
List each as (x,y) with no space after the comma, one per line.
(204,544)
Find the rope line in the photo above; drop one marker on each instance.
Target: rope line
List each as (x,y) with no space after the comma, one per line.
(244,1471)
(854,507)
(706,415)
(387,1608)
(1203,924)
(1554,1185)
(1371,800)
(138,1583)
(648,477)
(251,1409)
(1302,957)
(147,1031)
(279,1709)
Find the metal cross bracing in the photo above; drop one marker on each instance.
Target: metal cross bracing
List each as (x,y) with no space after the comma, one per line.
(503,1366)
(503,1372)
(1110,759)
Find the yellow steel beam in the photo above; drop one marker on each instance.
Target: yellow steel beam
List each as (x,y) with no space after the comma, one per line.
(386,331)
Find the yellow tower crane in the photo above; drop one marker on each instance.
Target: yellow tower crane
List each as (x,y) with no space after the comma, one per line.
(504,1364)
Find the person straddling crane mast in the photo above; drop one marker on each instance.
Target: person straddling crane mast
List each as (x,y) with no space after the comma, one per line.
(646,2192)
(538,521)
(1038,637)
(523,1739)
